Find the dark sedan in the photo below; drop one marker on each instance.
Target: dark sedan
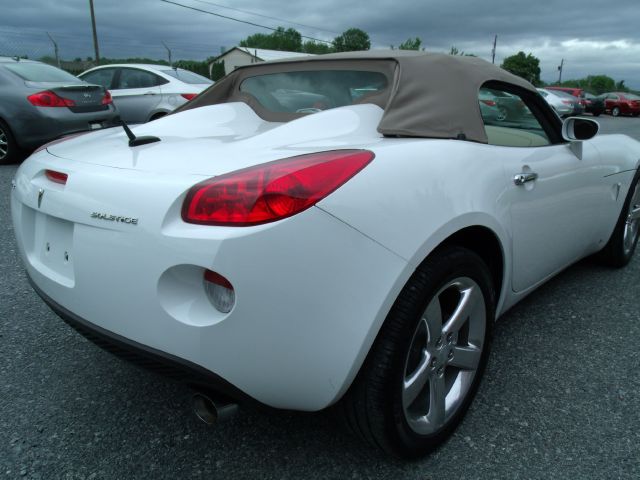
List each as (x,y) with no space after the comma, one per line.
(39,103)
(593,104)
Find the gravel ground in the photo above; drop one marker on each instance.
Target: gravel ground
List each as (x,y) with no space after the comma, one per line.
(559,400)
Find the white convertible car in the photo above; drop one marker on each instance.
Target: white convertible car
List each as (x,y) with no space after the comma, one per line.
(334,230)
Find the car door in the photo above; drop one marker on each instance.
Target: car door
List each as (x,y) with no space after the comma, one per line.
(611,101)
(136,93)
(556,197)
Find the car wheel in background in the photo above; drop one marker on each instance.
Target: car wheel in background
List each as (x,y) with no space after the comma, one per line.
(425,365)
(615,111)
(502,114)
(9,150)
(596,114)
(620,247)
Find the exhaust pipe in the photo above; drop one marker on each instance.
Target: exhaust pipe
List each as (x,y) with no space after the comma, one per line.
(212,411)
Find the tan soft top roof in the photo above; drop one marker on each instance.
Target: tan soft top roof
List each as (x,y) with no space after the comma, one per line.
(433,95)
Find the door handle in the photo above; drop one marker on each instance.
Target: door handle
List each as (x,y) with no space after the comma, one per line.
(522,178)
(150,93)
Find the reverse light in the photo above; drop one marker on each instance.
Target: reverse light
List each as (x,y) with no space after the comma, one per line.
(220,291)
(271,191)
(106,99)
(56,177)
(48,98)
(189,96)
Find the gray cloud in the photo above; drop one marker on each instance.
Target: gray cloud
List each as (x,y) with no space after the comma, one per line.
(592,39)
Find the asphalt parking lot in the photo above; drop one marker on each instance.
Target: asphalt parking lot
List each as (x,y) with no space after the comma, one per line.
(560,399)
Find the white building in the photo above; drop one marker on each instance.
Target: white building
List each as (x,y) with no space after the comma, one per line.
(241,56)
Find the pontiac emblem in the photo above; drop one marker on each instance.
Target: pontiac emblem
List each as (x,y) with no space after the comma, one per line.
(40,195)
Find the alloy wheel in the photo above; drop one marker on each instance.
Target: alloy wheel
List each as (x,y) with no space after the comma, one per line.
(4,144)
(444,355)
(632,222)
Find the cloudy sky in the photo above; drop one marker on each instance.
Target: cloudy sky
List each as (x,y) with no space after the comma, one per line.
(592,37)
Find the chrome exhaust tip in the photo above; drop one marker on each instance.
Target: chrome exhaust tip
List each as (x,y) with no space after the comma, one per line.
(212,411)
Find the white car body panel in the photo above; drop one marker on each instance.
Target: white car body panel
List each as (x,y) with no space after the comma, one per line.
(300,319)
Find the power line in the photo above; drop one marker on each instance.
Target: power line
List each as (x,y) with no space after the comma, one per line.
(266,16)
(237,20)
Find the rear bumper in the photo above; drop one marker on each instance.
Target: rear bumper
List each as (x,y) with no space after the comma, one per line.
(41,125)
(150,359)
(311,291)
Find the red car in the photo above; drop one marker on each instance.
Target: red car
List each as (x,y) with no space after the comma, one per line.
(618,103)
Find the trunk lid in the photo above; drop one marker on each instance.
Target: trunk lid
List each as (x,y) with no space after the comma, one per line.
(87,97)
(217,139)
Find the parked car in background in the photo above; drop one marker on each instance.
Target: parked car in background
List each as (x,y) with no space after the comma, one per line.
(575,102)
(144,92)
(562,106)
(510,106)
(593,104)
(576,92)
(489,106)
(619,103)
(39,103)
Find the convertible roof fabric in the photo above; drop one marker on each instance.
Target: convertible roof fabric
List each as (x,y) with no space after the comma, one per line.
(432,95)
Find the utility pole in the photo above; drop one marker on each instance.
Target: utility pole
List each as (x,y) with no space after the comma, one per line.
(168,52)
(560,70)
(55,48)
(493,50)
(95,35)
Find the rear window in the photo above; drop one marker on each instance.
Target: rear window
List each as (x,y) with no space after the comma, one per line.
(40,72)
(312,91)
(187,77)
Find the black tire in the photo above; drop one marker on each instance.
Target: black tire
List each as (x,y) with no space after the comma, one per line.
(596,114)
(373,406)
(157,116)
(10,152)
(616,253)
(615,111)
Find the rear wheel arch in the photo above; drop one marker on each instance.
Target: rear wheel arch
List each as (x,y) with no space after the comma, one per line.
(485,243)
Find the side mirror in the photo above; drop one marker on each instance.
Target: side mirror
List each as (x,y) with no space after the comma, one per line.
(578,129)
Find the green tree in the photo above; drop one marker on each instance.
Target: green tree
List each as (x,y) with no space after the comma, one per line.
(411,44)
(288,40)
(454,51)
(525,66)
(316,47)
(351,40)
(621,87)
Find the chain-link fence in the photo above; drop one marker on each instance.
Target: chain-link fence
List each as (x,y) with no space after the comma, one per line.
(74,53)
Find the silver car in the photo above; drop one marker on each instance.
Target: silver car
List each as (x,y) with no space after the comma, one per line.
(39,103)
(562,106)
(144,92)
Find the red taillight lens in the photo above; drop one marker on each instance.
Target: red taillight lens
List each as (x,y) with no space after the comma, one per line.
(272,191)
(491,103)
(567,102)
(57,177)
(189,96)
(106,100)
(49,99)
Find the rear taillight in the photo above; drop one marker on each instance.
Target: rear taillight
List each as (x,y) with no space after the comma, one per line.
(567,102)
(271,191)
(107,100)
(49,99)
(491,103)
(220,291)
(189,96)
(56,177)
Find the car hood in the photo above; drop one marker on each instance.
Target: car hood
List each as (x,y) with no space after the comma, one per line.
(217,139)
